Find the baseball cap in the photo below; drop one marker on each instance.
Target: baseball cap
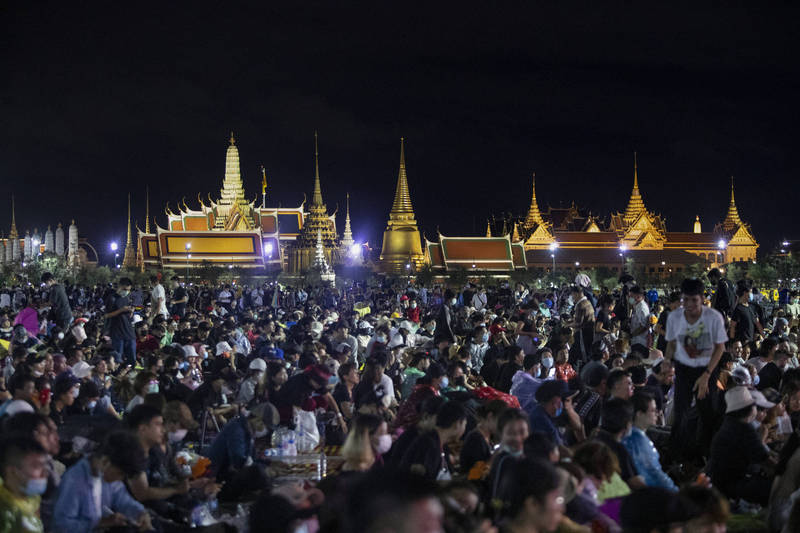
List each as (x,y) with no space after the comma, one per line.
(258,364)
(738,398)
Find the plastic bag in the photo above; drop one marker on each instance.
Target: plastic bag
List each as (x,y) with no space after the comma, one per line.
(305,423)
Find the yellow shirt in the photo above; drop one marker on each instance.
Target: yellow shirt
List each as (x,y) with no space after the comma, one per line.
(19,514)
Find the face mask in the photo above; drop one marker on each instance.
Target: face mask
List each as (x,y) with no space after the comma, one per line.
(152,388)
(333,380)
(756,379)
(512,452)
(124,293)
(453,301)
(445,383)
(413,305)
(381,339)
(559,411)
(75,392)
(177,436)
(431,328)
(631,301)
(750,297)
(384,444)
(35,487)
(547,362)
(184,365)
(485,337)
(91,405)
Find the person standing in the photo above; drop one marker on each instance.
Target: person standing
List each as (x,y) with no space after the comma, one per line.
(583,322)
(58,301)
(118,314)
(158,298)
(695,341)
(179,297)
(743,322)
(640,318)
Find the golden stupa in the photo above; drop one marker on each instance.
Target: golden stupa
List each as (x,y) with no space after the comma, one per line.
(401,240)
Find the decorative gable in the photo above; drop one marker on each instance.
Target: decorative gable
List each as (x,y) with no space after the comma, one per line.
(540,237)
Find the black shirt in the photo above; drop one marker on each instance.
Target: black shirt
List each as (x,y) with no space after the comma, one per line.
(627,469)
(745,323)
(735,447)
(769,377)
(179,294)
(661,344)
(120,326)
(506,374)
(475,449)
(426,451)
(604,319)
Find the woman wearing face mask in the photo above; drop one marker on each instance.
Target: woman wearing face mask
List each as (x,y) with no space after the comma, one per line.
(86,402)
(366,443)
(255,380)
(563,370)
(548,364)
(512,429)
(144,384)
(379,341)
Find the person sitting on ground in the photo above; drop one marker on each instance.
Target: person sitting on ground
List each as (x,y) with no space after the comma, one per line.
(92,494)
(532,497)
(366,443)
(526,382)
(615,422)
(428,455)
(642,450)
(23,469)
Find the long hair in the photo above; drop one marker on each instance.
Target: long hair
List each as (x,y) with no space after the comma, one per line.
(357,448)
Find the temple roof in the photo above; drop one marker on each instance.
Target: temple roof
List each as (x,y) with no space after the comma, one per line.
(636,203)
(476,253)
(732,219)
(534,216)
(401,207)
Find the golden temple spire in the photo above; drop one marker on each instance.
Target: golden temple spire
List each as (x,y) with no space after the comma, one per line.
(129,257)
(488,228)
(233,139)
(13,233)
(147,210)
(316,199)
(401,207)
(697,227)
(732,219)
(515,234)
(636,203)
(347,236)
(534,216)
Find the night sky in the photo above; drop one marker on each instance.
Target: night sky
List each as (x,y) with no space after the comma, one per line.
(98,101)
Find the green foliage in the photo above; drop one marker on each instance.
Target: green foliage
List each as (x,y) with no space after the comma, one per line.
(208,272)
(458,277)
(425,275)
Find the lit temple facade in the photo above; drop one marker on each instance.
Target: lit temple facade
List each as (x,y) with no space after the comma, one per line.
(236,231)
(571,238)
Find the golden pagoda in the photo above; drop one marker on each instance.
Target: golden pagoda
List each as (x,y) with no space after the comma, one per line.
(129,258)
(234,212)
(401,239)
(732,219)
(318,224)
(533,217)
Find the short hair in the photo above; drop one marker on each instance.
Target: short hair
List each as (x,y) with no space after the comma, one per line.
(539,445)
(616,414)
(692,287)
(528,478)
(641,401)
(47,276)
(153,279)
(450,413)
(638,374)
(575,288)
(125,282)
(510,415)
(615,376)
(430,406)
(19,380)
(123,451)
(714,273)
(636,289)
(530,360)
(492,407)
(674,296)
(141,415)
(345,369)
(24,423)
(14,448)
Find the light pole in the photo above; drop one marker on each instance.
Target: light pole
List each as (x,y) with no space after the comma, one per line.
(188,247)
(553,247)
(114,247)
(622,250)
(720,251)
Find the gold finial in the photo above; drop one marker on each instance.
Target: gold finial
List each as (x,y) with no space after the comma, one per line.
(488,228)
(635,172)
(534,216)
(732,219)
(636,203)
(317,197)
(147,210)
(263,180)
(401,207)
(233,139)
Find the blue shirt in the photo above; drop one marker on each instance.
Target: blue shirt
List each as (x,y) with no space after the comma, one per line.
(645,459)
(75,509)
(543,422)
(232,446)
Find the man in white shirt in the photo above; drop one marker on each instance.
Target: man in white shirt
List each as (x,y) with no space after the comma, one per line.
(695,341)
(479,300)
(158,297)
(640,317)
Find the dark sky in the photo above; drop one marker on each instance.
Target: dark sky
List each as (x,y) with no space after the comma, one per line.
(100,100)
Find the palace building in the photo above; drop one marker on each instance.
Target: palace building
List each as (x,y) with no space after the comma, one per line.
(571,238)
(236,231)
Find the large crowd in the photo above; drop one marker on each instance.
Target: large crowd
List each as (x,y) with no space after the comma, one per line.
(398,408)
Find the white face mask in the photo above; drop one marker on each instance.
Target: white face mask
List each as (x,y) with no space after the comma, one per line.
(91,405)
(547,362)
(177,436)
(384,444)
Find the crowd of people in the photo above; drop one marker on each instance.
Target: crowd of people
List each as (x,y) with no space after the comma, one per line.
(483,409)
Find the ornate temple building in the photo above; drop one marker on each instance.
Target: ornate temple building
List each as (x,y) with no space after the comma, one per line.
(571,238)
(402,248)
(16,250)
(236,231)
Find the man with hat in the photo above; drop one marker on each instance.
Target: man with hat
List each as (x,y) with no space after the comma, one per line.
(736,448)
(555,397)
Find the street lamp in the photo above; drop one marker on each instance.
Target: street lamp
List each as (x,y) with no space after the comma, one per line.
(114,247)
(622,249)
(553,247)
(188,247)
(35,243)
(720,247)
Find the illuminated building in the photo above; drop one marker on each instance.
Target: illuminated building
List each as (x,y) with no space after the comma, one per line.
(402,247)
(229,231)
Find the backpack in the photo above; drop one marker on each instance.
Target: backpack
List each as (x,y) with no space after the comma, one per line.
(725,300)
